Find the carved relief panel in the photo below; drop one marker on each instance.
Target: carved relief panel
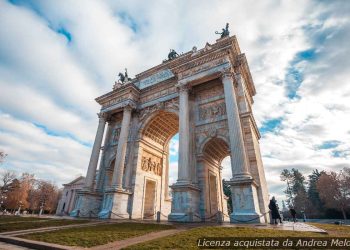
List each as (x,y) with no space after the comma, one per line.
(211,110)
(151,163)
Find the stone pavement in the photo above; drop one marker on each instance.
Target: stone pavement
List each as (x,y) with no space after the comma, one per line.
(287,225)
(135,240)
(46,229)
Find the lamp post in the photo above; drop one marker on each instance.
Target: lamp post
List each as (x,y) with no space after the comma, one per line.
(2,199)
(41,208)
(19,207)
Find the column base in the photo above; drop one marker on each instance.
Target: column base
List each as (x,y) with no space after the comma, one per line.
(115,204)
(185,204)
(87,205)
(245,203)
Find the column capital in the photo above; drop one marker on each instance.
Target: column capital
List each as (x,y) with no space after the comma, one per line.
(183,87)
(227,73)
(129,105)
(102,116)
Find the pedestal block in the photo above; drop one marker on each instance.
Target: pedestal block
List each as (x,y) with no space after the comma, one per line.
(115,204)
(185,204)
(245,204)
(87,205)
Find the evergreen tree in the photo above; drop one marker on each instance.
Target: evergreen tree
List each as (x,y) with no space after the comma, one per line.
(286,176)
(227,192)
(296,191)
(313,193)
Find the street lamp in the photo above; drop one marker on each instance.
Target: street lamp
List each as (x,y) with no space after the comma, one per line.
(2,199)
(19,207)
(41,208)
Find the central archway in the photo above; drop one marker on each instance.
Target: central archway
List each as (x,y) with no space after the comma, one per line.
(153,165)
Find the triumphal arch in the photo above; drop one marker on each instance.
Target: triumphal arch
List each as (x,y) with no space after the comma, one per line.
(204,95)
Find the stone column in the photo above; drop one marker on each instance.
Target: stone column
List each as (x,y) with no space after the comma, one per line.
(184,170)
(117,181)
(102,168)
(243,187)
(90,176)
(238,155)
(185,201)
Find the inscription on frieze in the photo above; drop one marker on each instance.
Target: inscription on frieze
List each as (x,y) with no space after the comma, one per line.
(151,163)
(156,78)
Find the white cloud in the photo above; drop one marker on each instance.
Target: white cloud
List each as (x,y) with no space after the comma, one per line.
(174,147)
(31,150)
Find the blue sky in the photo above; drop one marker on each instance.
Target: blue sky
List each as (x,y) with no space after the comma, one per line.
(57,56)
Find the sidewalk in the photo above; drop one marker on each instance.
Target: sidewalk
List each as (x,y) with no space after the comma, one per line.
(288,226)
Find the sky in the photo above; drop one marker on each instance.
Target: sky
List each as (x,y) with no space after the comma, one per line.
(57,56)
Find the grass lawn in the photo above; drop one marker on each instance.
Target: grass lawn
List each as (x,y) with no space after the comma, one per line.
(11,218)
(188,239)
(96,235)
(23,225)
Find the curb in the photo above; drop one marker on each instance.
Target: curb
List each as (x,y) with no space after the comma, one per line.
(33,244)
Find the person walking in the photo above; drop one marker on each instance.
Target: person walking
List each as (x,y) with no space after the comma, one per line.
(293,213)
(274,210)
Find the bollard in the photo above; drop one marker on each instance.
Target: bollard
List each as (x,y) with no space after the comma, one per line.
(190,216)
(158,216)
(271,220)
(219,217)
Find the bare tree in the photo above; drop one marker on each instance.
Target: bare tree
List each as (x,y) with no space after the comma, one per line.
(7,177)
(334,190)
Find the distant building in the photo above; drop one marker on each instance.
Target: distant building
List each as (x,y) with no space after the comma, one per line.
(67,202)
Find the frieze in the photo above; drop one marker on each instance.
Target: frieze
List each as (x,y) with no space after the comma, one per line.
(168,105)
(214,91)
(202,67)
(151,163)
(199,62)
(205,127)
(157,94)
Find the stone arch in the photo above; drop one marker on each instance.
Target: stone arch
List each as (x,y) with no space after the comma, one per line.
(208,140)
(213,151)
(155,131)
(146,122)
(216,149)
(160,126)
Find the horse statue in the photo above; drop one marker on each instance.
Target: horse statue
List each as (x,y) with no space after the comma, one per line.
(225,32)
(123,78)
(172,54)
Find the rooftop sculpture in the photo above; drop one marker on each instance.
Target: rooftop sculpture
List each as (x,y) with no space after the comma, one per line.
(225,32)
